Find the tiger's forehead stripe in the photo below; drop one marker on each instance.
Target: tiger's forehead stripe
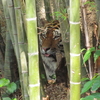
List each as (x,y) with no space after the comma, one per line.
(55,27)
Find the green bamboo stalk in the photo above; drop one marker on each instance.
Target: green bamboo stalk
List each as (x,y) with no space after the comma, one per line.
(15,38)
(8,21)
(64,28)
(75,50)
(24,75)
(7,65)
(23,13)
(48,10)
(22,47)
(8,53)
(34,81)
(98,17)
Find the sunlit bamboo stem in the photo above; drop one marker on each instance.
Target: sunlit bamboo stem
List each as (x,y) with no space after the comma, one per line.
(75,50)
(34,81)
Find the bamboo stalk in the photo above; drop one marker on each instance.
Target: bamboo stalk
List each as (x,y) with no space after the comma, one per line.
(10,40)
(34,81)
(23,13)
(24,75)
(8,21)
(47,10)
(7,65)
(74,50)
(15,38)
(64,28)
(22,47)
(86,35)
(7,72)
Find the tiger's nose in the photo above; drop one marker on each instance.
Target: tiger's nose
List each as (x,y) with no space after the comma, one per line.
(45,49)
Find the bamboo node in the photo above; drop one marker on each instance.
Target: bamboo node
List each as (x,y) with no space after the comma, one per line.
(24,71)
(75,82)
(30,19)
(26,95)
(34,85)
(11,6)
(73,72)
(7,17)
(20,42)
(17,7)
(73,54)
(71,22)
(33,54)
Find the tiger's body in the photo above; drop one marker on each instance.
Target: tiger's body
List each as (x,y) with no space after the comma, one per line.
(51,49)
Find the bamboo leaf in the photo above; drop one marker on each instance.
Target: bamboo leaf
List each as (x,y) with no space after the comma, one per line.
(83,49)
(90,97)
(11,87)
(88,54)
(92,49)
(96,78)
(4,82)
(96,95)
(96,55)
(14,99)
(6,98)
(87,86)
(84,79)
(96,85)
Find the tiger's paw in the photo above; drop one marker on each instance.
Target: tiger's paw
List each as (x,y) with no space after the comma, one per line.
(51,81)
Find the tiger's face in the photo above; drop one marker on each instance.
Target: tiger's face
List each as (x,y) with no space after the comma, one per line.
(50,38)
(50,43)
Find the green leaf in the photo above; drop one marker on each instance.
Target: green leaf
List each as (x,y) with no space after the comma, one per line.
(65,10)
(83,49)
(43,76)
(90,97)
(96,95)
(96,78)
(88,54)
(96,85)
(53,76)
(11,87)
(14,99)
(96,55)
(84,79)
(4,82)
(87,86)
(92,49)
(6,98)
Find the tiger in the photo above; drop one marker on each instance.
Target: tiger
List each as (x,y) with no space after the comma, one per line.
(51,49)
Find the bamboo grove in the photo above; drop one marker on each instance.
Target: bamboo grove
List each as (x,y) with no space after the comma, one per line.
(23,19)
